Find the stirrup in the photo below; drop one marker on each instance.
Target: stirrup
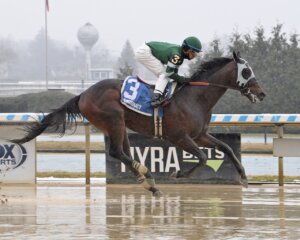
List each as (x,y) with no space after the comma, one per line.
(157,99)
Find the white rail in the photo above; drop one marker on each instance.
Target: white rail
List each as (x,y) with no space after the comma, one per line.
(216,119)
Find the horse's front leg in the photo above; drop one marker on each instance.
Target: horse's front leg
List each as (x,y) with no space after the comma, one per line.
(208,140)
(187,144)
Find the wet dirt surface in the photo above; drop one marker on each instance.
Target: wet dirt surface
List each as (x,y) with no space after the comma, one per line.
(128,212)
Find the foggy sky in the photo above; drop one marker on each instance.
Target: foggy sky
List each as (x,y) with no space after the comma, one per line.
(140,20)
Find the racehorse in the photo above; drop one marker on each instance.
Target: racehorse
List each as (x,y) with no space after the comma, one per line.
(185,122)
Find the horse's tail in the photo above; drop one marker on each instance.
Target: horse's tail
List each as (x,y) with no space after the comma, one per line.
(56,121)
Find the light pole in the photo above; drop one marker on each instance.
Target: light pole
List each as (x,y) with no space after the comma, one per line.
(87,36)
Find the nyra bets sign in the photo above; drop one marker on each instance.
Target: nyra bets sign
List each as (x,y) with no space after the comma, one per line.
(161,158)
(17,162)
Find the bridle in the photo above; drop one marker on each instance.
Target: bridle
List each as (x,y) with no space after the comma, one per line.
(244,76)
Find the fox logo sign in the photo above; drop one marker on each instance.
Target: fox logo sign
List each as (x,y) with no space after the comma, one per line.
(11,156)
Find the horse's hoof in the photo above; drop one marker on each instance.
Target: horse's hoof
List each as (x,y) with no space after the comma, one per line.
(244,182)
(175,175)
(157,193)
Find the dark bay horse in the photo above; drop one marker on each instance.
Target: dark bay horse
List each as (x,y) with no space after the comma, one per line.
(185,122)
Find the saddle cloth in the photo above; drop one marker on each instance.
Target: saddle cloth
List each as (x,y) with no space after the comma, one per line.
(137,95)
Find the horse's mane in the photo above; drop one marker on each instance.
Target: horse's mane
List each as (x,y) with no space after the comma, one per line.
(207,68)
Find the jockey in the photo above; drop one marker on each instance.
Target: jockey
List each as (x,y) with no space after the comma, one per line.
(164,59)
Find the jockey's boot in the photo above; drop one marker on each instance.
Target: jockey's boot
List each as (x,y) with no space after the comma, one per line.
(156,100)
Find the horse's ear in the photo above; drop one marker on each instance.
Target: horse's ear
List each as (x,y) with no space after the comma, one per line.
(236,56)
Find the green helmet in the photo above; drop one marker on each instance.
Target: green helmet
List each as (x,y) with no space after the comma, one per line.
(192,43)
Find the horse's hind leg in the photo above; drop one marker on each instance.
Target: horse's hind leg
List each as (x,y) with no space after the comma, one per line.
(210,141)
(146,180)
(119,148)
(126,149)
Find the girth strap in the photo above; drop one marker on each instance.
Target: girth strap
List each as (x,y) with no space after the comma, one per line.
(157,124)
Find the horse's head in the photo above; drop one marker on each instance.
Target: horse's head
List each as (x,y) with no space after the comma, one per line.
(246,80)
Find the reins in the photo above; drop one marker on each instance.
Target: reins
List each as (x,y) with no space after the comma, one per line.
(216,85)
(242,90)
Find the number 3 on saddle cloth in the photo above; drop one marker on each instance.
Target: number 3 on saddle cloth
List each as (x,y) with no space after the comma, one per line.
(137,95)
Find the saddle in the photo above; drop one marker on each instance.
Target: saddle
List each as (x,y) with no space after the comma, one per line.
(136,95)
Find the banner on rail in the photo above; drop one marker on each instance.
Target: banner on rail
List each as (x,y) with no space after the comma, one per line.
(17,162)
(163,158)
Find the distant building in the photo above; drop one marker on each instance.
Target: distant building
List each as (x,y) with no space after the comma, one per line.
(98,74)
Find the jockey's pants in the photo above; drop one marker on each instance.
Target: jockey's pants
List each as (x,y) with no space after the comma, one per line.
(144,55)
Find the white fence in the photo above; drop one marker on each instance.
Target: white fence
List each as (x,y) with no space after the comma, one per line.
(216,119)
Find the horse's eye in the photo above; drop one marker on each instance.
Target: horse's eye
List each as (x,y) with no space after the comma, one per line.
(246,73)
